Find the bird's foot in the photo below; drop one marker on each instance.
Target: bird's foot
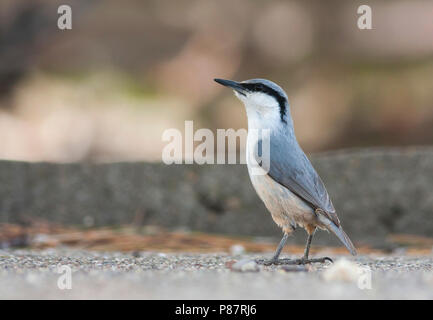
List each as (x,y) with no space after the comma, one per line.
(292,261)
(316,260)
(269,262)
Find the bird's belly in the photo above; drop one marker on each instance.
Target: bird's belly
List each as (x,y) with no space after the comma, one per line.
(286,208)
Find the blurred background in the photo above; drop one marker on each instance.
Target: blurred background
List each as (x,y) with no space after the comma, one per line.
(108,88)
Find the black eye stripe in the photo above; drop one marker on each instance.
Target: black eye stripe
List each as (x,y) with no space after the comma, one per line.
(259,87)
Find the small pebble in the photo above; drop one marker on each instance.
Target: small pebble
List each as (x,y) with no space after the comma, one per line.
(302,268)
(237,249)
(245,266)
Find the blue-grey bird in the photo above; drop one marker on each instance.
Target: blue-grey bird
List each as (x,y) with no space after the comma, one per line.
(290,188)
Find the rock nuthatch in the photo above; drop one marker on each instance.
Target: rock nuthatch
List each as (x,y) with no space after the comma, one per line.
(291,189)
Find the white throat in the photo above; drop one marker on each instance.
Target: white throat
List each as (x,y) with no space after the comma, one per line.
(263,111)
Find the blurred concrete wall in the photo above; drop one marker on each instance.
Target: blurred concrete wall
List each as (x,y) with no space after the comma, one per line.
(376,193)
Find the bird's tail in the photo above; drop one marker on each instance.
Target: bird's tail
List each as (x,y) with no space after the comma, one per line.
(338,231)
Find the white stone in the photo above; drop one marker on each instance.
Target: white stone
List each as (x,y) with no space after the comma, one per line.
(237,249)
(342,270)
(246,266)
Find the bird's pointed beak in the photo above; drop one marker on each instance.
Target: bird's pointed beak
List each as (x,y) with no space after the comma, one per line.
(232,84)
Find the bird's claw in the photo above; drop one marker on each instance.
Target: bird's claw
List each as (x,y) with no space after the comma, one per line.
(317,260)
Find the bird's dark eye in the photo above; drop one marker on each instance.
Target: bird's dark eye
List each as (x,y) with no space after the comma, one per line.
(259,87)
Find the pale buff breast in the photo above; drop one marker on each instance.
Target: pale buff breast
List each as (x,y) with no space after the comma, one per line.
(286,208)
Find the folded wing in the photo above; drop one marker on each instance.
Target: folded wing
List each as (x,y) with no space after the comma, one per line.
(293,170)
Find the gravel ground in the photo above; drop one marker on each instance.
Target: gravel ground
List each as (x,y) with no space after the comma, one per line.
(30,274)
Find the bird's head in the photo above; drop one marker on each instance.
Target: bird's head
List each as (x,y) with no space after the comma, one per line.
(260,96)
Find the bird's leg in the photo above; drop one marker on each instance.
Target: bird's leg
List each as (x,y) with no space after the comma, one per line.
(305,259)
(280,247)
(307,246)
(274,259)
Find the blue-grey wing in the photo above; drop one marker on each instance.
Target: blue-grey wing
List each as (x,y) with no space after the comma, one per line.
(290,167)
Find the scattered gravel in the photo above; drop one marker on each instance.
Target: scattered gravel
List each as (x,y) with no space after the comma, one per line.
(145,275)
